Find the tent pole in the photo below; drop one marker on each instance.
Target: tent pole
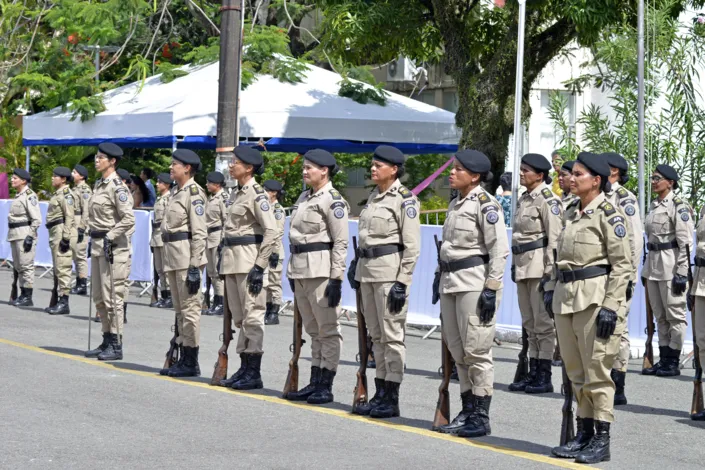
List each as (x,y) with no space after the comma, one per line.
(640,106)
(518,91)
(26,159)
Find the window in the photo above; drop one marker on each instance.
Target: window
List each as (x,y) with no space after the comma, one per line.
(356,177)
(428,97)
(549,139)
(450,101)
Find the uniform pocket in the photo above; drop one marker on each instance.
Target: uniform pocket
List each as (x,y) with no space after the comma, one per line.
(466,230)
(379,225)
(479,337)
(587,246)
(311,222)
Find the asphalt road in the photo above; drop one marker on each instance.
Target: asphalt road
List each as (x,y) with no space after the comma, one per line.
(60,410)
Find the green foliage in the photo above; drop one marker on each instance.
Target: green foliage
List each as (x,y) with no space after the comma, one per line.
(434,203)
(557,110)
(419,167)
(363,93)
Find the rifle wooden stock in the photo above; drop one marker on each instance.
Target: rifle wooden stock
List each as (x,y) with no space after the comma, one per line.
(442,416)
(696,405)
(360,396)
(567,429)
(523,364)
(220,371)
(155,285)
(648,361)
(13,292)
(55,293)
(292,377)
(172,355)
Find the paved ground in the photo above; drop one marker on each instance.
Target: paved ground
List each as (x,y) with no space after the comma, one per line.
(59,410)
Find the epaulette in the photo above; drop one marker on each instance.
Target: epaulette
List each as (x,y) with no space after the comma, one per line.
(277,206)
(29,192)
(547,193)
(607,208)
(573,204)
(677,201)
(405,193)
(484,198)
(67,190)
(335,194)
(193,190)
(117,181)
(258,189)
(622,192)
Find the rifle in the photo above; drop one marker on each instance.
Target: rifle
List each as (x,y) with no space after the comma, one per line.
(442,416)
(523,365)
(54,293)
(696,405)
(13,292)
(567,430)
(155,286)
(292,377)
(648,361)
(172,355)
(360,392)
(220,371)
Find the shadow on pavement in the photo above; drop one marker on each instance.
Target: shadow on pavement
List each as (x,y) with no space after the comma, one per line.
(515,444)
(690,422)
(71,351)
(649,410)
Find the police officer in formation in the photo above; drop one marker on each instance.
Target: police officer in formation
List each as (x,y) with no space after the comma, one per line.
(469,284)
(23,222)
(564,182)
(110,222)
(156,244)
(184,233)
(127,180)
(275,192)
(697,298)
(537,225)
(60,224)
(79,240)
(587,296)
(390,239)
(669,232)
(249,239)
(216,212)
(318,238)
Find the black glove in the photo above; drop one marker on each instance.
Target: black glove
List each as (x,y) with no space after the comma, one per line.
(630,290)
(220,259)
(643,281)
(606,323)
(108,249)
(396,298)
(436,288)
(81,235)
(514,273)
(488,305)
(691,302)
(255,280)
(334,292)
(679,284)
(542,283)
(64,245)
(193,280)
(151,249)
(351,274)
(292,284)
(548,302)
(27,244)
(273,260)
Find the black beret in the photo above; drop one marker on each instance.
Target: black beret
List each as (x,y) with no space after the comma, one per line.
(249,155)
(22,173)
(668,172)
(124,175)
(389,154)
(81,170)
(164,178)
(474,161)
(215,177)
(187,157)
(62,171)
(595,163)
(537,161)
(274,185)
(615,160)
(320,158)
(110,149)
(568,165)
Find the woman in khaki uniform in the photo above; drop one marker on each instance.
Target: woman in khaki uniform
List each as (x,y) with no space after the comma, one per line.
(216,212)
(275,191)
(164,183)
(697,297)
(587,294)
(60,223)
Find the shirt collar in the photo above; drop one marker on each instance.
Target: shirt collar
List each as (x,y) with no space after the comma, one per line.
(247,185)
(326,187)
(590,209)
(391,190)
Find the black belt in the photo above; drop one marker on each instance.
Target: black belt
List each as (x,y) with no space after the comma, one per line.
(77,213)
(18,224)
(54,223)
(215,229)
(452,266)
(98,235)
(243,240)
(585,273)
(380,250)
(535,245)
(175,237)
(662,246)
(156,225)
(309,247)
(700,262)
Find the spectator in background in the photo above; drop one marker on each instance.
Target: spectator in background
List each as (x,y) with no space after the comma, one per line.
(505,199)
(557,161)
(140,193)
(146,175)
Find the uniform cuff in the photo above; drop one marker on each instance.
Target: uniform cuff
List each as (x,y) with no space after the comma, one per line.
(336,274)
(404,279)
(611,304)
(493,284)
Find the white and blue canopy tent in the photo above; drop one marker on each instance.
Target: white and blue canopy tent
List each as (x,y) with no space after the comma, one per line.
(287,117)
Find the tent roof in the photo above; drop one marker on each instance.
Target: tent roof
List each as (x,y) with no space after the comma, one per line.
(287,116)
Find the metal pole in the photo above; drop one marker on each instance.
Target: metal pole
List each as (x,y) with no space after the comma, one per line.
(518,90)
(26,159)
(640,107)
(97,65)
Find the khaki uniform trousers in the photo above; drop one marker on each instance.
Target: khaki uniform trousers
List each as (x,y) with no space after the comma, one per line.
(320,322)
(274,289)
(110,315)
(588,361)
(386,329)
(535,320)
(80,254)
(247,312)
(23,263)
(187,307)
(212,270)
(62,268)
(621,361)
(469,340)
(699,326)
(159,266)
(669,312)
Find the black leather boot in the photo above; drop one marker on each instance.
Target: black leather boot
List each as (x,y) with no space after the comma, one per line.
(124,312)
(453,374)
(216,306)
(324,391)
(468,400)
(521,385)
(478,424)
(272,316)
(662,356)
(389,408)
(101,347)
(159,303)
(25,299)
(700,416)
(671,367)
(168,303)
(74,289)
(585,429)
(598,450)
(81,287)
(364,410)
(308,390)
(251,379)
(179,361)
(17,299)
(236,376)
(618,378)
(114,350)
(542,383)
(189,367)
(61,307)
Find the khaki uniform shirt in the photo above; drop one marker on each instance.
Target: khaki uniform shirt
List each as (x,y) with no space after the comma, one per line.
(61,205)
(566,199)
(625,201)
(592,237)
(391,217)
(157,217)
(82,194)
(539,215)
(320,217)
(185,212)
(249,213)
(280,217)
(668,220)
(216,211)
(24,208)
(474,226)
(110,210)
(699,275)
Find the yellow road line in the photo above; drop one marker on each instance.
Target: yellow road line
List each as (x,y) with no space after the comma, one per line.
(329,411)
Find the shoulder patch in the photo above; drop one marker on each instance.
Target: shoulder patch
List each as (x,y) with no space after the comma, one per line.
(408,203)
(67,190)
(629,210)
(682,209)
(258,189)
(197,202)
(685,217)
(193,190)
(405,193)
(337,204)
(555,210)
(487,209)
(547,193)
(483,198)
(627,201)
(492,217)
(616,219)
(677,201)
(260,197)
(622,192)
(117,182)
(607,208)
(335,194)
